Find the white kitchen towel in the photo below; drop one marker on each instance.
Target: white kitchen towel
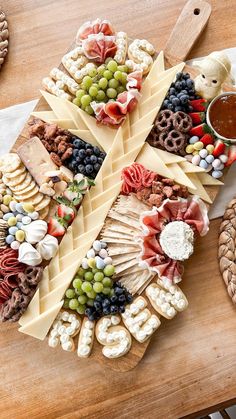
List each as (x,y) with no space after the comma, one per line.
(12,121)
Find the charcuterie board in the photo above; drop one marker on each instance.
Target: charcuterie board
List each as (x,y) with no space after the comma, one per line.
(99,217)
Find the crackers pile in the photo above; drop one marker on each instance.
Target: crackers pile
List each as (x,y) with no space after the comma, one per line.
(24,188)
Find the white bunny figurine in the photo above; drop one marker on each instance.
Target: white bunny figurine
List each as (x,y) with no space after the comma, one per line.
(214,70)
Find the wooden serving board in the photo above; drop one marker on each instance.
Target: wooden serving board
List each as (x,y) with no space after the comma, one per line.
(188,28)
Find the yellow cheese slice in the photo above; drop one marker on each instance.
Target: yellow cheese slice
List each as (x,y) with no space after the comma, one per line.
(127,159)
(137,139)
(39,327)
(57,104)
(167,157)
(84,237)
(209,180)
(180,177)
(157,68)
(101,199)
(151,160)
(199,188)
(46,116)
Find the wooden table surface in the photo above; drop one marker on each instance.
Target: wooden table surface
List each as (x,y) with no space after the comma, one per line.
(190,365)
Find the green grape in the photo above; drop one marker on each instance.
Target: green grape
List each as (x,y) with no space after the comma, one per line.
(81,271)
(103,83)
(87,82)
(70,293)
(123,68)
(88,276)
(91,294)
(112,66)
(113,83)
(111,93)
(93,91)
(82,299)
(106,290)
(98,277)
(80,93)
(81,309)
(90,302)
(101,69)
(107,60)
(98,287)
(107,282)
(107,74)
(73,304)
(77,283)
(118,75)
(123,80)
(92,72)
(95,270)
(89,110)
(86,286)
(120,89)
(85,100)
(101,95)
(66,303)
(109,270)
(76,101)
(79,291)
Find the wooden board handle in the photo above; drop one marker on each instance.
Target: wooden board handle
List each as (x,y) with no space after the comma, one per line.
(187,29)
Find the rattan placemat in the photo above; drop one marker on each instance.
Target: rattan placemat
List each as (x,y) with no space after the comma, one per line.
(3,37)
(227,249)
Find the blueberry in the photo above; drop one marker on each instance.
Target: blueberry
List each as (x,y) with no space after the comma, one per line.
(74,165)
(106,311)
(114,299)
(88,146)
(89,311)
(79,160)
(98,298)
(81,169)
(102,155)
(122,309)
(106,303)
(184,99)
(75,152)
(171,97)
(89,152)
(82,154)
(96,151)
(172,91)
(78,143)
(170,107)
(190,108)
(129,298)
(175,101)
(97,167)
(88,169)
(166,102)
(99,160)
(189,83)
(87,160)
(179,76)
(191,92)
(178,108)
(93,159)
(97,306)
(118,290)
(122,298)
(114,309)
(186,76)
(178,85)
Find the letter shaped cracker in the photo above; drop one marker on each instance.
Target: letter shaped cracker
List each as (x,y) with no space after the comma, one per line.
(166,302)
(115,339)
(140,52)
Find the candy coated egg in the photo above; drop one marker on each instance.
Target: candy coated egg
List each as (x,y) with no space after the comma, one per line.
(223,158)
(10,239)
(203,164)
(210,148)
(203,153)
(210,158)
(198,145)
(193,139)
(196,160)
(217,174)
(216,163)
(26,220)
(189,149)
(103,253)
(91,254)
(97,245)
(15,245)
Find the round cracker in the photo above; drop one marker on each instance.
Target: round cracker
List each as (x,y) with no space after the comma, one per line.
(15,180)
(28,194)
(16,172)
(9,162)
(34,200)
(44,203)
(31,186)
(24,184)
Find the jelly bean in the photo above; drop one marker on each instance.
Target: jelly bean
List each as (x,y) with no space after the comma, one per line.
(20,235)
(216,174)
(203,164)
(216,163)
(97,245)
(193,139)
(223,158)
(189,149)
(198,145)
(15,245)
(210,148)
(10,239)
(90,254)
(13,230)
(196,160)
(203,153)
(210,158)
(26,219)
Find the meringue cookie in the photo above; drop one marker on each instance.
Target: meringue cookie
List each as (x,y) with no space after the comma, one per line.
(29,255)
(47,247)
(35,231)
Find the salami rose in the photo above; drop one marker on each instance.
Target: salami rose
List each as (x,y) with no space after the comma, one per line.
(135,177)
(94,27)
(99,47)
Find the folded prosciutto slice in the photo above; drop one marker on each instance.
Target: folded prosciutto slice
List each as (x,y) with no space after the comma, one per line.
(191,211)
(94,27)
(136,177)
(99,47)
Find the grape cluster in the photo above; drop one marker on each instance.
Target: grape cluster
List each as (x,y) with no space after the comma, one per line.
(181,91)
(109,304)
(93,292)
(101,84)
(86,158)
